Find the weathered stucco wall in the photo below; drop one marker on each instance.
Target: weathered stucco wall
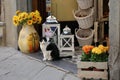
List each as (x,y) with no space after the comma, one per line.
(10,7)
(11,30)
(114,35)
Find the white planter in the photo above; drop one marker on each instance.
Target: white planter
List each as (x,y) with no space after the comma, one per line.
(99,70)
(84,36)
(84,18)
(85,4)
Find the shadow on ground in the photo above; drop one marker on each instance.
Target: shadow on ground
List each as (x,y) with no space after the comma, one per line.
(67,64)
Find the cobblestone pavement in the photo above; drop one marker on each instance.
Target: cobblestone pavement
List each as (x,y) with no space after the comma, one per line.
(15,65)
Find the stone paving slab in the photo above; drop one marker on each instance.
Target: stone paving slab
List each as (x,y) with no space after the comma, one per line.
(15,65)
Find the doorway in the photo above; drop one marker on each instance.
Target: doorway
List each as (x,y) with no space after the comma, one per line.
(41,6)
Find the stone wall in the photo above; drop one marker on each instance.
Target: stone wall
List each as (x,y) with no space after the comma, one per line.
(114,36)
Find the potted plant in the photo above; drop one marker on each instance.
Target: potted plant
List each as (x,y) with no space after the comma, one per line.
(94,54)
(28,40)
(93,62)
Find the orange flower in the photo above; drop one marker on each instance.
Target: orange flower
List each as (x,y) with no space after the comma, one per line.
(87,48)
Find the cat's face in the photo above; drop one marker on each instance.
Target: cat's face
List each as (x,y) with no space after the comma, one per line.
(43,42)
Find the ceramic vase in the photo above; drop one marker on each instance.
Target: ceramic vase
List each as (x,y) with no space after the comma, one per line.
(28,40)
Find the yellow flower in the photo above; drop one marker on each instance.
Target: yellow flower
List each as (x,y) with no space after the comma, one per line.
(15,20)
(103,48)
(39,20)
(15,17)
(18,12)
(24,15)
(29,22)
(22,18)
(34,19)
(37,12)
(32,14)
(96,50)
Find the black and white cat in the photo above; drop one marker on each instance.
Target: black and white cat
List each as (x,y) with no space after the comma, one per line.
(50,51)
(46,54)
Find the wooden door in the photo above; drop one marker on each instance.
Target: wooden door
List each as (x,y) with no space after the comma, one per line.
(40,5)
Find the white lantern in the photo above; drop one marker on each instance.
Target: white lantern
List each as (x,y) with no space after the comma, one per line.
(51,29)
(66,40)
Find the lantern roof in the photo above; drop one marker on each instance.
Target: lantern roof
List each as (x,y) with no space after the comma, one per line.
(67,28)
(51,19)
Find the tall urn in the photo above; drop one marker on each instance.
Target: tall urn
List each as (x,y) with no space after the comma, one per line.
(28,40)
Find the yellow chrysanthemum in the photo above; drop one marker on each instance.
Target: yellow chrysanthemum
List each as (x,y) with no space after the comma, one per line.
(96,50)
(103,48)
(93,50)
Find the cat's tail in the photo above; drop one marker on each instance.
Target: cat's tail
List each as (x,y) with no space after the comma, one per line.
(65,57)
(61,57)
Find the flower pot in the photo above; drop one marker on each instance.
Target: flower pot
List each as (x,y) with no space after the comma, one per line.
(84,36)
(99,70)
(85,4)
(28,40)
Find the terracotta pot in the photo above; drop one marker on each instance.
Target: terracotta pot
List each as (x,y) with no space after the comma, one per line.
(28,40)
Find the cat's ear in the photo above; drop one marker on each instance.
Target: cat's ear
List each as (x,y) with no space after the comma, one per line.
(42,38)
(43,41)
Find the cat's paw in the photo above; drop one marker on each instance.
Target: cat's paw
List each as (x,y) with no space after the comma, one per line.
(44,59)
(49,58)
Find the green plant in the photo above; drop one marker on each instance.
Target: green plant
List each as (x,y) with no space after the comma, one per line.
(94,54)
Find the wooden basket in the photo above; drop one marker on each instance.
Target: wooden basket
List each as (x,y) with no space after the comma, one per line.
(99,70)
(84,36)
(84,18)
(85,4)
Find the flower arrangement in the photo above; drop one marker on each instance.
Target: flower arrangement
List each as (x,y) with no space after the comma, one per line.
(95,54)
(24,18)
